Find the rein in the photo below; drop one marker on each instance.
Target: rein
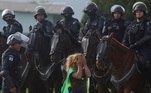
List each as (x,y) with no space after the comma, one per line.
(45,75)
(105,75)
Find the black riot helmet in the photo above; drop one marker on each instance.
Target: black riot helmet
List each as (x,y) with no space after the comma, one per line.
(68,10)
(139,6)
(40,10)
(118,9)
(91,7)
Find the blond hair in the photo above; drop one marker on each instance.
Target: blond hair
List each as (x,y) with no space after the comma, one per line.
(71,59)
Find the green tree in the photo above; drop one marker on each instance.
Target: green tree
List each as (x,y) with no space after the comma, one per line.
(105,5)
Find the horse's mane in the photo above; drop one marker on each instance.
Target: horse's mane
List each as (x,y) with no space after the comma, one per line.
(125,56)
(118,44)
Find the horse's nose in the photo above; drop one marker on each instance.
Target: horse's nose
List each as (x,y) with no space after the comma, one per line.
(51,53)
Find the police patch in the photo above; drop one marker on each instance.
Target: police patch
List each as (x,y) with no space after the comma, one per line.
(11,58)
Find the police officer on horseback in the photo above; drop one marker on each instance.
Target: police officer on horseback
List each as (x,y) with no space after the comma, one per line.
(43,26)
(68,23)
(116,24)
(94,23)
(90,36)
(13,25)
(38,50)
(138,37)
(10,70)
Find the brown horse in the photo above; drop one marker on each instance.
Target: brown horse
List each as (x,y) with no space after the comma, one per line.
(124,74)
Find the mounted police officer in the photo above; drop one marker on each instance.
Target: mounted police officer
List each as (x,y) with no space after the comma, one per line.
(43,27)
(69,24)
(94,22)
(138,37)
(116,24)
(90,36)
(10,70)
(13,25)
(38,50)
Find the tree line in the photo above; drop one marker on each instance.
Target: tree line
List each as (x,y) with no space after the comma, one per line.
(105,5)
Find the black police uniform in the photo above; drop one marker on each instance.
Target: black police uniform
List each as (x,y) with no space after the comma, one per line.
(95,25)
(138,37)
(13,27)
(72,26)
(10,70)
(44,29)
(117,27)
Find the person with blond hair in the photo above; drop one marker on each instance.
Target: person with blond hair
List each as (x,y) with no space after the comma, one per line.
(77,72)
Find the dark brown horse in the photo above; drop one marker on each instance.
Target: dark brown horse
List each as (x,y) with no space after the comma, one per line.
(89,44)
(3,47)
(38,56)
(124,74)
(3,44)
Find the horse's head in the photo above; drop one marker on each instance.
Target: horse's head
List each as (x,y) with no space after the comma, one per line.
(62,44)
(90,39)
(103,52)
(57,43)
(110,51)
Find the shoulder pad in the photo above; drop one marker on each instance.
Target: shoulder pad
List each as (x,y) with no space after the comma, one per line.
(17,23)
(76,22)
(9,54)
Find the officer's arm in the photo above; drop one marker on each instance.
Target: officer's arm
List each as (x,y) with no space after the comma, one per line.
(101,26)
(8,79)
(147,36)
(125,39)
(104,30)
(5,73)
(144,40)
(15,28)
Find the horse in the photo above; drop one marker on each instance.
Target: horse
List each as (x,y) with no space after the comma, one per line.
(99,82)
(124,72)
(89,44)
(38,57)
(62,45)
(3,47)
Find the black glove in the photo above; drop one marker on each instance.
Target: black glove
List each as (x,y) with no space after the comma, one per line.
(133,46)
(4,28)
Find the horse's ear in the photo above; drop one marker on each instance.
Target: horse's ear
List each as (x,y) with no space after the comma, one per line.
(111,35)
